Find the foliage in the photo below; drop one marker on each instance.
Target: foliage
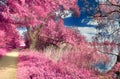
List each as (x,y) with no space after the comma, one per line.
(107,17)
(44,28)
(34,15)
(109,9)
(9,37)
(2,52)
(56,34)
(117,67)
(84,57)
(61,35)
(33,65)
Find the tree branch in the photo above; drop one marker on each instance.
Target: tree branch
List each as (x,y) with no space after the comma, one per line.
(107,53)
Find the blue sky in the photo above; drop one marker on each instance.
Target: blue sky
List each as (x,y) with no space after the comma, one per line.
(85,23)
(84,18)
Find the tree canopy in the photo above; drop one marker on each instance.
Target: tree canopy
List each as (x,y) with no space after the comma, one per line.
(34,15)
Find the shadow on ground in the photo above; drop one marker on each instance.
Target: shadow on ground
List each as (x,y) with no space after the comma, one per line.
(8,62)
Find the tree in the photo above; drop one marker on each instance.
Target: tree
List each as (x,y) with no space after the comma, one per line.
(108,18)
(9,37)
(34,15)
(109,9)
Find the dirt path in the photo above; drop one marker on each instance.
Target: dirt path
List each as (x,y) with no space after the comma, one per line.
(8,66)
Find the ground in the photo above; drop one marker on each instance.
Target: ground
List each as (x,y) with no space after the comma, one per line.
(8,65)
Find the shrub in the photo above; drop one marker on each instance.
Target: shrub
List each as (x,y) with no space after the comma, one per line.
(34,65)
(2,52)
(83,56)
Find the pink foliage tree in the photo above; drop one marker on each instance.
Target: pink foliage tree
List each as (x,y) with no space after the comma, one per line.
(9,37)
(108,8)
(34,15)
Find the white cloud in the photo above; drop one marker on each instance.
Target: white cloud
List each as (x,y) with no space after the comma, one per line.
(102,1)
(92,22)
(64,14)
(88,32)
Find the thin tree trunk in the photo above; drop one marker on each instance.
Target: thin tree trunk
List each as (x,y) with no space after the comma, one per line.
(32,38)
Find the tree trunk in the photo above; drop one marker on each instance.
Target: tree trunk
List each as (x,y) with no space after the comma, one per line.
(33,36)
(32,44)
(33,41)
(118,58)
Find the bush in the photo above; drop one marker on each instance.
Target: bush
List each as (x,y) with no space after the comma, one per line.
(2,52)
(83,56)
(34,65)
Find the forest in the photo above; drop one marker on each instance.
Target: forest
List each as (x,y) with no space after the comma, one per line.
(47,49)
